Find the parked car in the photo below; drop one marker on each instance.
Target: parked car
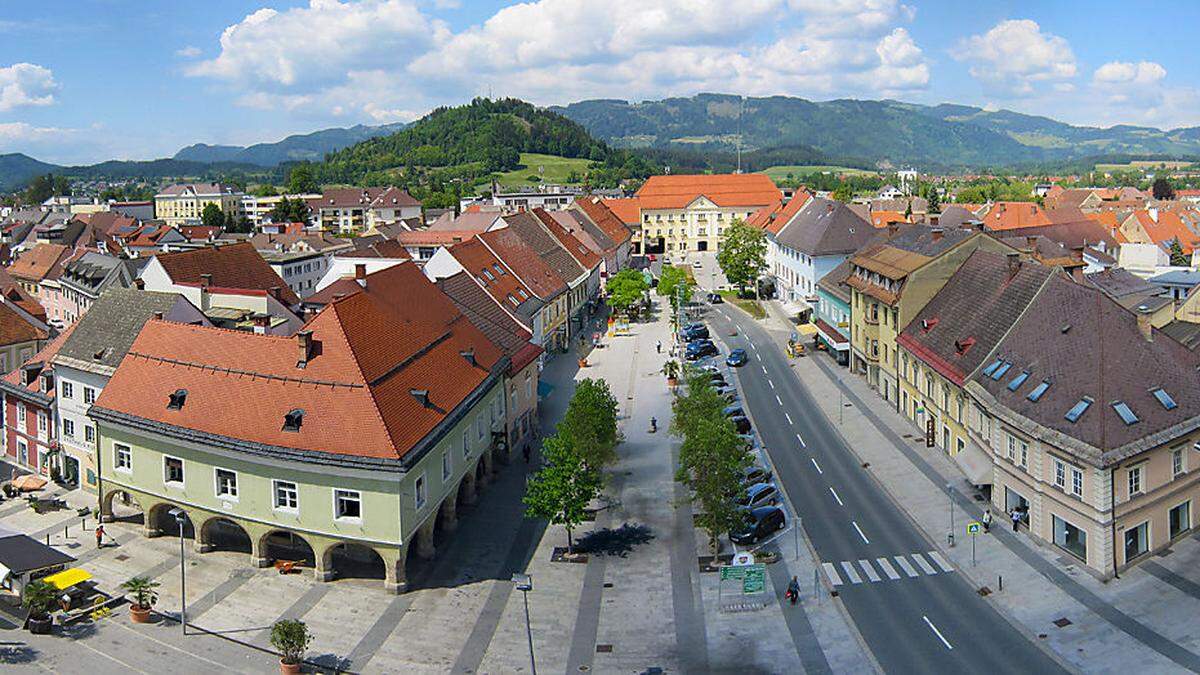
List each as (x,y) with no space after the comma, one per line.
(734,411)
(741,424)
(700,349)
(717,380)
(737,358)
(729,395)
(759,494)
(759,524)
(755,474)
(694,331)
(714,298)
(696,265)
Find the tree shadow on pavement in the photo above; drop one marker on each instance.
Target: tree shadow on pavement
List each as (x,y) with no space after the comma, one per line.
(615,542)
(13,653)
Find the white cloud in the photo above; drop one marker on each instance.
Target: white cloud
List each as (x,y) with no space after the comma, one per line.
(26,84)
(1124,73)
(188,52)
(22,131)
(1015,56)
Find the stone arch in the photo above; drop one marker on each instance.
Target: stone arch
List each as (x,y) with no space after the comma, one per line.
(121,506)
(219,533)
(285,545)
(350,560)
(159,521)
(466,489)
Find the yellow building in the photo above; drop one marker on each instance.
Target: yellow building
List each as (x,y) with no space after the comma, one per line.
(183,203)
(890,283)
(684,213)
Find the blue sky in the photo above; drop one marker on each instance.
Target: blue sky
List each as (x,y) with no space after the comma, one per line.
(87,80)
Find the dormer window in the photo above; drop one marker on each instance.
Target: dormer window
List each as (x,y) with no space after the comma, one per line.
(293,419)
(176,399)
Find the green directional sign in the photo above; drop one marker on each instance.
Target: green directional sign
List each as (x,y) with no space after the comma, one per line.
(753,577)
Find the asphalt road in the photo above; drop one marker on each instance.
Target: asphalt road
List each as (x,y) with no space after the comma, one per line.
(931,622)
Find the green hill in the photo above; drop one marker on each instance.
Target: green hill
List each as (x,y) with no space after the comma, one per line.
(539,168)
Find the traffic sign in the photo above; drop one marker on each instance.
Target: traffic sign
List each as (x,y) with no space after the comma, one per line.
(974,527)
(753,577)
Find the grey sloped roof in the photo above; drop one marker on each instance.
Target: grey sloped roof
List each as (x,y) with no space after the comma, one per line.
(535,236)
(826,227)
(105,332)
(834,282)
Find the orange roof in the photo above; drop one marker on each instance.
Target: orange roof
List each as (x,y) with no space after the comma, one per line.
(1105,218)
(881,219)
(1013,215)
(587,259)
(433,237)
(40,262)
(508,246)
(629,210)
(44,356)
(371,351)
(504,288)
(15,328)
(236,266)
(1167,227)
(738,189)
(787,212)
(611,223)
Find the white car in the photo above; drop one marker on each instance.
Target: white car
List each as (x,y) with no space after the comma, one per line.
(696,265)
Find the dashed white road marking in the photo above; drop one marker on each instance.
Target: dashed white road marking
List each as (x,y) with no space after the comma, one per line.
(870,571)
(831,574)
(860,532)
(814,461)
(937,632)
(835,496)
(772,383)
(764,369)
(906,566)
(941,562)
(801,439)
(851,573)
(789,417)
(924,564)
(888,569)
(779,400)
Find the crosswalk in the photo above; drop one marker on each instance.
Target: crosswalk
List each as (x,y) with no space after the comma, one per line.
(883,569)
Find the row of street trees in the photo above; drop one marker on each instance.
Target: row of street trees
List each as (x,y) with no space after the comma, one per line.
(626,289)
(584,442)
(712,457)
(743,254)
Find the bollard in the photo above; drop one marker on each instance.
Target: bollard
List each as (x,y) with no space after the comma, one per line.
(47,540)
(1000,577)
(66,531)
(83,523)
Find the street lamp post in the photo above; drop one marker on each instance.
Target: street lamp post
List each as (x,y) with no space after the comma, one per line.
(950,496)
(524,584)
(181,518)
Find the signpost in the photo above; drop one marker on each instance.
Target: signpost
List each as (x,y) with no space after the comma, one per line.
(930,433)
(750,580)
(973,529)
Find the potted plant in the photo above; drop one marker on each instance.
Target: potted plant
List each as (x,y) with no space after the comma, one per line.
(671,370)
(39,598)
(291,637)
(144,597)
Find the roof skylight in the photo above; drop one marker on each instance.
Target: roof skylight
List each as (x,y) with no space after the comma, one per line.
(1018,381)
(1078,409)
(1164,398)
(992,367)
(1001,370)
(1126,413)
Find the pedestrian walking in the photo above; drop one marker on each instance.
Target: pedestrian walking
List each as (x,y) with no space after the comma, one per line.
(987,520)
(653,425)
(1016,518)
(99,536)
(793,590)
(658,346)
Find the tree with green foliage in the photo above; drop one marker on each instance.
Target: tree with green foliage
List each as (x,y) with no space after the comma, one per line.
(590,423)
(743,255)
(562,489)
(288,210)
(1178,257)
(1162,189)
(934,200)
(301,180)
(44,187)
(212,216)
(625,289)
(266,190)
(291,637)
(673,283)
(843,193)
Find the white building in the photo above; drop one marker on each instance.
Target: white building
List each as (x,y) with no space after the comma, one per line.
(811,241)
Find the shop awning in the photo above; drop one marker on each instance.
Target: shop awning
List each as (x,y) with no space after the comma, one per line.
(975,464)
(806,329)
(67,578)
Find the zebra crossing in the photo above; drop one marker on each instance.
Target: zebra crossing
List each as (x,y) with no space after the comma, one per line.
(882,569)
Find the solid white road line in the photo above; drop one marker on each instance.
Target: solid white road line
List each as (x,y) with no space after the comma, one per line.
(871,573)
(779,400)
(851,573)
(831,574)
(923,563)
(789,417)
(906,566)
(835,496)
(814,461)
(887,568)
(941,562)
(772,383)
(936,632)
(764,369)
(860,532)
(801,439)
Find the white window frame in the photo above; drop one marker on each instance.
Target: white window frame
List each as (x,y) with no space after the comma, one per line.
(89,395)
(1178,462)
(1076,482)
(89,433)
(233,497)
(22,418)
(1134,475)
(68,428)
(43,423)
(1060,474)
(420,492)
(67,390)
(276,484)
(182,472)
(357,496)
(120,449)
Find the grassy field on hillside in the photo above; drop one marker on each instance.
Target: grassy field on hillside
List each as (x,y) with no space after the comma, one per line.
(780,172)
(554,169)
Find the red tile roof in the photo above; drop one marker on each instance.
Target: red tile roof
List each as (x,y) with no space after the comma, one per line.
(726,190)
(881,219)
(1166,226)
(40,262)
(370,351)
(476,258)
(434,237)
(236,266)
(628,210)
(14,328)
(508,246)
(608,219)
(582,254)
(44,357)
(1013,215)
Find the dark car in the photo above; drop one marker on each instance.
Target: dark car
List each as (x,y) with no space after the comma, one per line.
(755,474)
(715,298)
(741,424)
(701,349)
(736,358)
(728,395)
(759,494)
(695,332)
(758,524)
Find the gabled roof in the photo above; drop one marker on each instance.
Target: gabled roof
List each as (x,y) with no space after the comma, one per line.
(15,328)
(497,277)
(12,383)
(959,326)
(586,258)
(895,255)
(43,261)
(13,292)
(825,227)
(180,189)
(535,235)
(434,237)
(236,266)
(627,209)
(677,191)
(1072,234)
(487,315)
(834,283)
(106,331)
(370,351)
(1013,215)
(469,221)
(1164,226)
(522,260)
(608,218)
(582,228)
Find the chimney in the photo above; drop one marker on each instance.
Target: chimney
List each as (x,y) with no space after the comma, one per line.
(158,315)
(205,280)
(360,274)
(1014,264)
(1077,253)
(1144,325)
(1077,274)
(261,323)
(304,340)
(139,284)
(277,293)
(937,233)
(422,396)
(1031,241)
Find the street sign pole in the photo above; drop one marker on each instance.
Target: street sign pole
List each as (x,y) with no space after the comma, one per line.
(973,529)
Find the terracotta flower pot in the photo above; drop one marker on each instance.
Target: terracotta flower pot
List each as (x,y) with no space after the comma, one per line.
(139,614)
(288,668)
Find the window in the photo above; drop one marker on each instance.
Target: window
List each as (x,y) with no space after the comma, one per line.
(1038,391)
(1164,398)
(1012,449)
(226,484)
(466,443)
(67,390)
(347,505)
(287,498)
(1019,380)
(1180,519)
(1135,480)
(419,489)
(1070,538)
(89,434)
(1178,462)
(479,427)
(21,414)
(68,428)
(992,367)
(1076,482)
(89,395)
(172,470)
(1024,453)
(122,457)
(1060,474)
(43,423)
(1001,370)
(1126,414)
(1078,409)
(22,452)
(1137,541)
(446,466)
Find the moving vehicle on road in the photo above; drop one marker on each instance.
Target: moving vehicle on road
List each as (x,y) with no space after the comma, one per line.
(758,525)
(714,298)
(737,358)
(759,494)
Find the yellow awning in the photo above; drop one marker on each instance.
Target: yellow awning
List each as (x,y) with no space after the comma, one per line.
(67,578)
(807,329)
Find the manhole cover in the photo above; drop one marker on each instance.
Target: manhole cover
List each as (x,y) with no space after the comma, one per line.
(603,649)
(121,556)
(1063,622)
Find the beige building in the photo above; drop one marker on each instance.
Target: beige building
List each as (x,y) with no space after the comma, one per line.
(684,213)
(183,203)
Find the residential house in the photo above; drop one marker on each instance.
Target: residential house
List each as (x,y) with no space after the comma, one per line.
(889,191)
(422,244)
(37,265)
(806,245)
(682,213)
(608,229)
(183,203)
(1134,294)
(1176,285)
(522,200)
(84,279)
(362,209)
(1002,216)
(248,435)
(258,209)
(301,260)
(534,234)
(22,334)
(831,315)
(590,261)
(1159,226)
(30,433)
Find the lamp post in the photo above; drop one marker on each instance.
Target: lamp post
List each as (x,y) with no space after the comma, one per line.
(181,518)
(524,584)
(950,496)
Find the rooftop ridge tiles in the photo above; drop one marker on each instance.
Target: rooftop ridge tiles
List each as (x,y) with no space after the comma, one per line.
(238,371)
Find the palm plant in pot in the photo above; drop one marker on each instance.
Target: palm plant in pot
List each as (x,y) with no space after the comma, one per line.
(144,597)
(39,598)
(291,637)
(671,370)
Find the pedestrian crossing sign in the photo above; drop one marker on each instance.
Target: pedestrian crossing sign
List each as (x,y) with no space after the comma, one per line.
(973,527)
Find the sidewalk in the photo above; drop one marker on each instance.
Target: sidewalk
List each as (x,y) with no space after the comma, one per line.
(1039,585)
